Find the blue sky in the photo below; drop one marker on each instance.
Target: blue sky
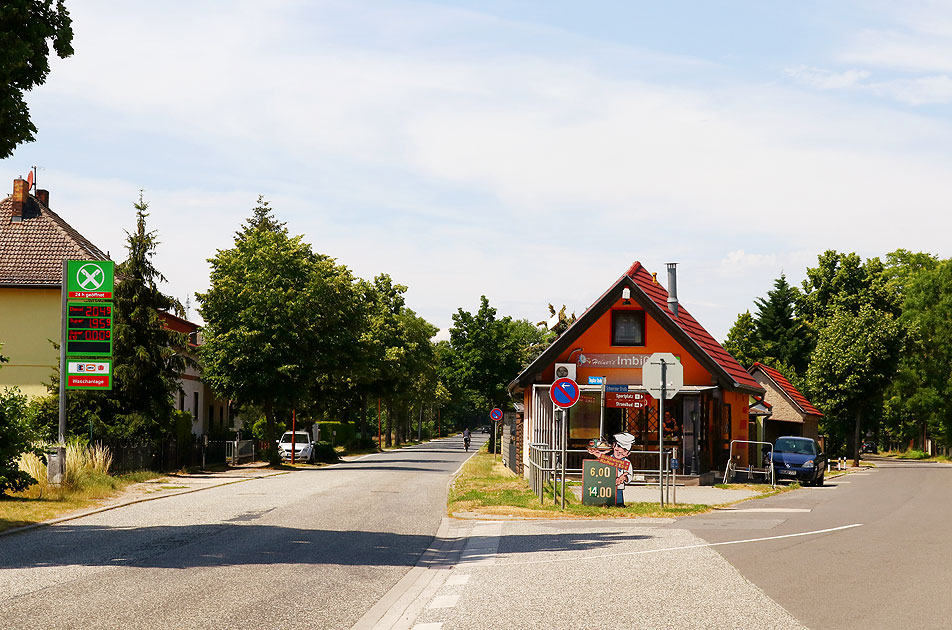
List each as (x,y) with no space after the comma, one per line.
(526,151)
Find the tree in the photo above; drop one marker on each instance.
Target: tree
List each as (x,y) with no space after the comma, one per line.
(781,335)
(487,356)
(854,359)
(147,355)
(27,27)
(276,320)
(916,399)
(742,341)
(15,439)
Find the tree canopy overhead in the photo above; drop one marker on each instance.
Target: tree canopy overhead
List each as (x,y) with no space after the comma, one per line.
(27,28)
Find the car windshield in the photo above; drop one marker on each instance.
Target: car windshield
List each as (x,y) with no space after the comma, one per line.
(803,447)
(299,438)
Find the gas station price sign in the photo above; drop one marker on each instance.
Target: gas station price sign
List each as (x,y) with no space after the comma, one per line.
(89,329)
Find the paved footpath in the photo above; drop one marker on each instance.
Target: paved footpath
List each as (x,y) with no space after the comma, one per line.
(631,573)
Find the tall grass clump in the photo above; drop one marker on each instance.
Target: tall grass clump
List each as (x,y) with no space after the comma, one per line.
(33,465)
(86,465)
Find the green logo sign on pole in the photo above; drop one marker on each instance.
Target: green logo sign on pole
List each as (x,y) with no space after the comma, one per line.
(90,279)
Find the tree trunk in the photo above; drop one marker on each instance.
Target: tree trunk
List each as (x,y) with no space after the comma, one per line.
(273,456)
(387,438)
(856,440)
(419,426)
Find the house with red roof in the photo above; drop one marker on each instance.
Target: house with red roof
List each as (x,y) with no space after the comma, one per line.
(606,349)
(34,241)
(790,413)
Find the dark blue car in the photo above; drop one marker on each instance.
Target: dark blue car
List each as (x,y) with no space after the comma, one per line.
(799,459)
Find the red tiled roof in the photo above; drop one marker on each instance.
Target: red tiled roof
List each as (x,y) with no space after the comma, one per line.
(787,388)
(654,298)
(32,250)
(691,327)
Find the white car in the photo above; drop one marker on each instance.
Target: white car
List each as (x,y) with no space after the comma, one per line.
(303,446)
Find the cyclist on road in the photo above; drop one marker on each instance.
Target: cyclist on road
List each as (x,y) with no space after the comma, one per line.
(466,438)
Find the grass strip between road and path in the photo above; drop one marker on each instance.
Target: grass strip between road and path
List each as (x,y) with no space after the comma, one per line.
(41,502)
(485,487)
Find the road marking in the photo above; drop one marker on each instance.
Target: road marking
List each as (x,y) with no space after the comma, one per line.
(457,580)
(444,601)
(771,510)
(701,546)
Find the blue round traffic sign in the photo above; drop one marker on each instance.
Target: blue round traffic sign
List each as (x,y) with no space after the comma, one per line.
(496,414)
(564,392)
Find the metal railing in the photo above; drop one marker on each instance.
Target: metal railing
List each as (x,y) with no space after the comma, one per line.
(751,470)
(547,465)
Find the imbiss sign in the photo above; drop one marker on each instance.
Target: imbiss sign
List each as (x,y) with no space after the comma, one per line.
(626,400)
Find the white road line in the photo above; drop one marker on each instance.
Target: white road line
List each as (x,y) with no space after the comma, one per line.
(772,510)
(701,546)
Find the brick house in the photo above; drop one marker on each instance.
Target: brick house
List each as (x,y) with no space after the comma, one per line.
(790,413)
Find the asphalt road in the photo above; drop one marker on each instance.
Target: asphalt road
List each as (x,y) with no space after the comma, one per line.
(314,548)
(890,571)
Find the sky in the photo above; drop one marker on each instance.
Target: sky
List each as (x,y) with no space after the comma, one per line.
(526,151)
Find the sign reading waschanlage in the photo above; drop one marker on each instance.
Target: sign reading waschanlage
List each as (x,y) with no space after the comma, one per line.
(89,279)
(89,329)
(89,374)
(614,361)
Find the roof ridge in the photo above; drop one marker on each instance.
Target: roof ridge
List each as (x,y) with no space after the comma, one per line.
(71,233)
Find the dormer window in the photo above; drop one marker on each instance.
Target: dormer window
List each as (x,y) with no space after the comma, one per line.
(628,328)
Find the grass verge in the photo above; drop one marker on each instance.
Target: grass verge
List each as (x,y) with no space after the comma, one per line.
(40,503)
(488,488)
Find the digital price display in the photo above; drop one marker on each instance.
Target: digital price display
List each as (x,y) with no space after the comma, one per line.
(89,329)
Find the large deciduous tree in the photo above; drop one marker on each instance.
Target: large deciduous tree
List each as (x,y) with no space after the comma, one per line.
(277,319)
(854,359)
(27,28)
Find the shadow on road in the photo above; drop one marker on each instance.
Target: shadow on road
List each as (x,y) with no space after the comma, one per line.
(241,543)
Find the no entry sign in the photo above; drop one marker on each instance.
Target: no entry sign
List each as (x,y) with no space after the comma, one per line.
(564,392)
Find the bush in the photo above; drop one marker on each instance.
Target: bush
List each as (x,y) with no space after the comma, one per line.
(346,432)
(324,452)
(16,438)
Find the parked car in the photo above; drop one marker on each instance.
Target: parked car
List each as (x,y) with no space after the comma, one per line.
(868,446)
(799,459)
(303,446)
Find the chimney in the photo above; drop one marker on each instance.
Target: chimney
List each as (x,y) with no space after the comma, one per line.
(21,193)
(43,196)
(673,288)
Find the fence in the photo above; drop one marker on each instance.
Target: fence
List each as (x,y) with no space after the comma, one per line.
(163,455)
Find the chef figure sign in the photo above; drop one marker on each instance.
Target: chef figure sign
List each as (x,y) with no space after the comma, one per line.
(617,457)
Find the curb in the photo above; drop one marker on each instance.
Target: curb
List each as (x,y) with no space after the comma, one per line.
(106,508)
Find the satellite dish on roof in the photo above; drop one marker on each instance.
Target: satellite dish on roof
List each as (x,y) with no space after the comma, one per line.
(29,182)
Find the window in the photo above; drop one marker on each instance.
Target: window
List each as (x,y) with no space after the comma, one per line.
(628,328)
